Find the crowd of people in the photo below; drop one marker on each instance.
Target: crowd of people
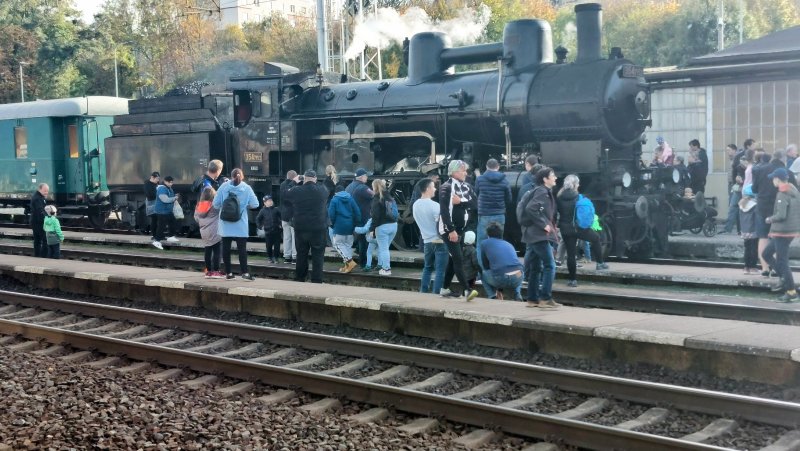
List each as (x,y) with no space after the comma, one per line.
(764,208)
(460,223)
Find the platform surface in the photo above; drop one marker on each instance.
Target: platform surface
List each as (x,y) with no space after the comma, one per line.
(739,337)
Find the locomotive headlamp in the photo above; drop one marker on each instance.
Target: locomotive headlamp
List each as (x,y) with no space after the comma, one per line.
(642,102)
(676,176)
(627,179)
(647,176)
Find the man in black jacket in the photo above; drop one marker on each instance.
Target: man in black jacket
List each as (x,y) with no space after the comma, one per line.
(536,214)
(38,202)
(289,248)
(698,166)
(363,195)
(456,199)
(306,205)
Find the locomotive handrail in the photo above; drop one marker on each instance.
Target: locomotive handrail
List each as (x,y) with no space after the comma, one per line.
(352,136)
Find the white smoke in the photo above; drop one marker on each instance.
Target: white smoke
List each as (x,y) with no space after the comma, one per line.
(570,34)
(387,26)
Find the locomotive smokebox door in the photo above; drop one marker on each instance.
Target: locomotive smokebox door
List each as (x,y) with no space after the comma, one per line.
(578,156)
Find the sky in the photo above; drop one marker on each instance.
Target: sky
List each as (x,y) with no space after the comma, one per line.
(88,8)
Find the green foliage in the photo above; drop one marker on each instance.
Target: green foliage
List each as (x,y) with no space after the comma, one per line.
(159,43)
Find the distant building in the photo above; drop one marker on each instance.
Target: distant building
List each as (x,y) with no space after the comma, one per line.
(751,90)
(240,12)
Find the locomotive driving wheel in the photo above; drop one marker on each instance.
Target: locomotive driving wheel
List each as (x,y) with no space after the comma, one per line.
(407,236)
(98,217)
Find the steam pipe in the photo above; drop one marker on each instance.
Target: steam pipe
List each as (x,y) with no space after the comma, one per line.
(589,18)
(473,54)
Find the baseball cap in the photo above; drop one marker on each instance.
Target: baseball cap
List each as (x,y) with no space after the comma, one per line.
(168,178)
(469,237)
(310,174)
(267,197)
(780,173)
(360,172)
(660,140)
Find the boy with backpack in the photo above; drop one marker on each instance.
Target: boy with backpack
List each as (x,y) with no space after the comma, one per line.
(53,233)
(575,219)
(269,220)
(344,214)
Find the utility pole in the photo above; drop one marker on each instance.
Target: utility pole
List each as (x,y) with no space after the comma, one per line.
(322,36)
(721,26)
(741,21)
(116,74)
(21,81)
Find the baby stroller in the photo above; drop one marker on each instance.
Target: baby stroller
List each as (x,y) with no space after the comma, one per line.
(694,214)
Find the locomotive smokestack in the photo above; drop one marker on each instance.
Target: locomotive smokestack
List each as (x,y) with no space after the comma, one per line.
(589,18)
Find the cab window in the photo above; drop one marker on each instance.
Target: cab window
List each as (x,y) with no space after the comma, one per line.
(72,133)
(21,142)
(266,104)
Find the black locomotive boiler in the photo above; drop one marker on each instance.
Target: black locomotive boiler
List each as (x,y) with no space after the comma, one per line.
(585,117)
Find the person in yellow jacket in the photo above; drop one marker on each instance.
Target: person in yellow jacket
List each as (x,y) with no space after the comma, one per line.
(53,233)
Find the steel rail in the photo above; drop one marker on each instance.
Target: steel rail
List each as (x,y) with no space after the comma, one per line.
(512,421)
(585,297)
(769,411)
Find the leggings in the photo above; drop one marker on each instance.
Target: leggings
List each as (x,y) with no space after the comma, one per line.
(241,246)
(212,256)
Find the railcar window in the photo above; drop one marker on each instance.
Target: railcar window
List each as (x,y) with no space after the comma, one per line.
(266,104)
(72,132)
(21,142)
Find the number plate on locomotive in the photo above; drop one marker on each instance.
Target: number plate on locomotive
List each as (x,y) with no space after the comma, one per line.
(253,157)
(631,71)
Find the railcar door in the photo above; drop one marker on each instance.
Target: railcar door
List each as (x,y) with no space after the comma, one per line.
(93,167)
(74,177)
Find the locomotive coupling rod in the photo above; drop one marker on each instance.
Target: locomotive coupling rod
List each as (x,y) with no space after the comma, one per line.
(352,136)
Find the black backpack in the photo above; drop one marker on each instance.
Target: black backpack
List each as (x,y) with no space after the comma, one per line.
(230,209)
(523,218)
(197,185)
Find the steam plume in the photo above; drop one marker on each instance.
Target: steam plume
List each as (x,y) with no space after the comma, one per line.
(387,26)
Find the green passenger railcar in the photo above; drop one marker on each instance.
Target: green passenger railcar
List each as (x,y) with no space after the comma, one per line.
(59,142)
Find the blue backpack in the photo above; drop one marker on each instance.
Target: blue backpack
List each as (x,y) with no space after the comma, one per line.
(584,212)
(392,214)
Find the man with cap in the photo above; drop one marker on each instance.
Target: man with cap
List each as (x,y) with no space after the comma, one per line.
(150,187)
(289,247)
(165,202)
(306,205)
(363,195)
(269,220)
(785,226)
(456,199)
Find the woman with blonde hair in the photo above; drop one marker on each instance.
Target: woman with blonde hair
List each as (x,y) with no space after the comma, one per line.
(331,180)
(384,226)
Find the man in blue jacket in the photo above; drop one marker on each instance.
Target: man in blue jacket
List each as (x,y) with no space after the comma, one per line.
(344,214)
(494,195)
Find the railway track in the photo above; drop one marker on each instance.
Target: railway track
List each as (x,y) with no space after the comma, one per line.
(498,396)
(586,297)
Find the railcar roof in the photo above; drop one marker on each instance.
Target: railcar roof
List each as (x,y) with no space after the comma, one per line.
(76,106)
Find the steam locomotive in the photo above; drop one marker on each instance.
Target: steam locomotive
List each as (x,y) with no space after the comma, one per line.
(585,117)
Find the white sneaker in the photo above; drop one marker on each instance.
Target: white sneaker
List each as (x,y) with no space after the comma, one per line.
(172,239)
(157,245)
(444,292)
(385,272)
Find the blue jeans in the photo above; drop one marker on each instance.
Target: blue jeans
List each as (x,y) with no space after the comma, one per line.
(483,222)
(436,257)
(540,256)
(491,284)
(733,212)
(384,234)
